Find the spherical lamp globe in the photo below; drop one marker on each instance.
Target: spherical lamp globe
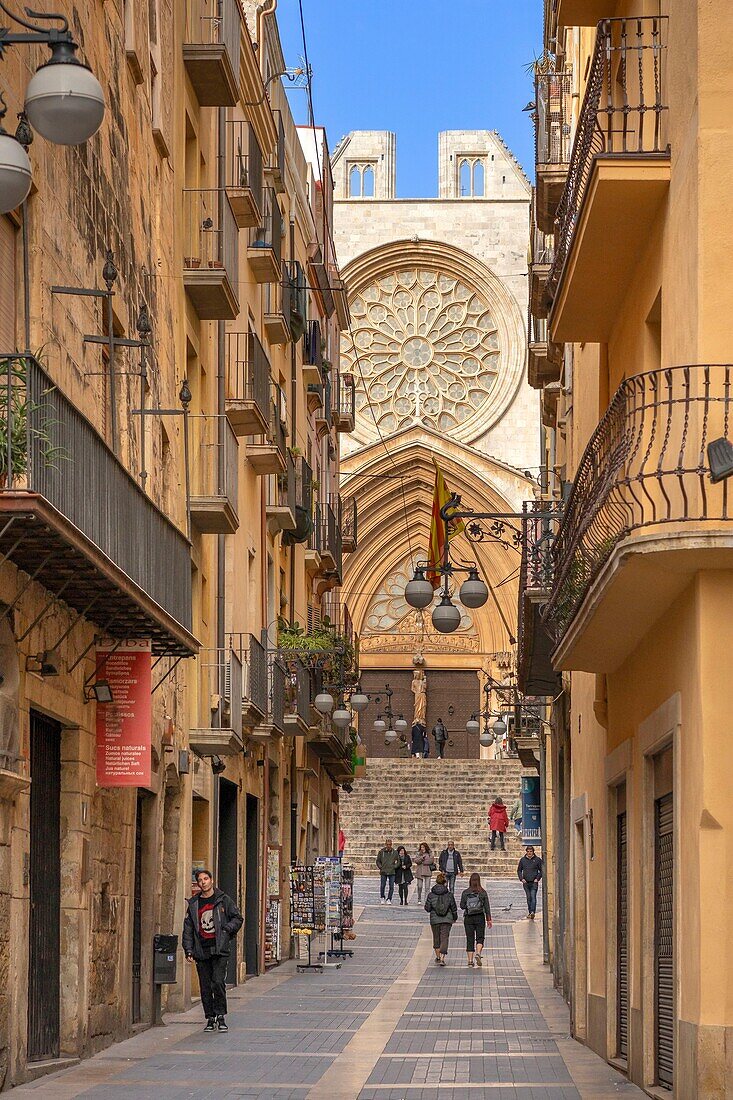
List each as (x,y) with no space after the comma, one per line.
(473,591)
(15,173)
(401,725)
(64,100)
(446,616)
(323,702)
(419,591)
(390,736)
(359,701)
(380,725)
(472,727)
(341,717)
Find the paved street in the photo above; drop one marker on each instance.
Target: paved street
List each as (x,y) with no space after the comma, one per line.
(388,1024)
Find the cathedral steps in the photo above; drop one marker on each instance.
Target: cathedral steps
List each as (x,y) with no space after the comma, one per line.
(432,801)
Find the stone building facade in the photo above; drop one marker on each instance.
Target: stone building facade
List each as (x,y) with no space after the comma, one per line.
(438,300)
(183,493)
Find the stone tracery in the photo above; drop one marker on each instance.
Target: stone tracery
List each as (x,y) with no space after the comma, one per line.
(428,348)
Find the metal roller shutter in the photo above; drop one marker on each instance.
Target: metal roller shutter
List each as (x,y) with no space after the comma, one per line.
(622,938)
(663,941)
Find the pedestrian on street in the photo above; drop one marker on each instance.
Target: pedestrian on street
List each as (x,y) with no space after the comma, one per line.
(476,918)
(451,864)
(529,872)
(440,733)
(387,862)
(426,750)
(342,842)
(441,905)
(516,815)
(418,739)
(212,921)
(403,875)
(498,822)
(424,866)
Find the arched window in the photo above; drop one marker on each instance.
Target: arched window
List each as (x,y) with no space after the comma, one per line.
(355,182)
(464,178)
(478,178)
(367,183)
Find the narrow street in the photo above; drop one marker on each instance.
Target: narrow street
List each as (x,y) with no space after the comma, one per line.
(387,1025)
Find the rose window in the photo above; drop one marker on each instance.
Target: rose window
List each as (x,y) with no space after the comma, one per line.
(428,350)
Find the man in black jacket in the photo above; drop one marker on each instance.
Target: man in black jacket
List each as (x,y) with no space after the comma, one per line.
(529,873)
(212,921)
(451,864)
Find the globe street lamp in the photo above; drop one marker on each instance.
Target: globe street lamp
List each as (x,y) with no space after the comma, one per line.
(323,702)
(419,592)
(64,101)
(446,616)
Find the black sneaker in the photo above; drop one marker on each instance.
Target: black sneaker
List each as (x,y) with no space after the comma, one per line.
(222,1024)
(210,1024)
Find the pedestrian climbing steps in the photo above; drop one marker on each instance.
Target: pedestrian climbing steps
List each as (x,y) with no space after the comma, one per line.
(433,801)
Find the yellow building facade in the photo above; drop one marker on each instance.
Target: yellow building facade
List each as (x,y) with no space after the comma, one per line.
(629,337)
(170,310)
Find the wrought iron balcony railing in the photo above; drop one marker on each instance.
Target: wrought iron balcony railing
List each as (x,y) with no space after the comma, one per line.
(214,473)
(297,694)
(344,403)
(645,468)
(253,659)
(247,383)
(277,679)
(75,519)
(219,732)
(265,247)
(624,113)
(276,162)
(350,527)
(540,525)
(244,179)
(210,253)
(212,35)
(553,92)
(313,346)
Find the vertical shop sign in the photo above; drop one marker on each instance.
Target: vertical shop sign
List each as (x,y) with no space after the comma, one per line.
(531,820)
(124,726)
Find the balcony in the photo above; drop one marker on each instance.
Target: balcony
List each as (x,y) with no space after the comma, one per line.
(550,401)
(273,724)
(213,474)
(321,279)
(265,245)
(642,518)
(341,299)
(324,408)
(544,359)
(312,354)
(277,308)
(541,256)
(349,528)
(329,518)
(578,13)
(617,181)
(268,455)
(211,47)
(344,408)
(553,92)
(221,704)
(75,519)
(210,254)
(247,384)
(539,527)
(280,502)
(276,162)
(313,546)
(334,748)
(297,717)
(303,476)
(253,659)
(244,173)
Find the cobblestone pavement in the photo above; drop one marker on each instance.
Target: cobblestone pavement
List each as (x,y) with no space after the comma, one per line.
(387,1025)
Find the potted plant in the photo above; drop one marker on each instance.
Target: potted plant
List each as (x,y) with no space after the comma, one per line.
(23,422)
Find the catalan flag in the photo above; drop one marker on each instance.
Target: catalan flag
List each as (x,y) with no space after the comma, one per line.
(441,496)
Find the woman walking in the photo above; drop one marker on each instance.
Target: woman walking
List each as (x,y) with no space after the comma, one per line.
(424,867)
(403,873)
(498,822)
(441,905)
(476,916)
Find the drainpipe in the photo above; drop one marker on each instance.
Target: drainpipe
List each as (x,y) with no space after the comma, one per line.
(269,7)
(545,857)
(221,459)
(293,414)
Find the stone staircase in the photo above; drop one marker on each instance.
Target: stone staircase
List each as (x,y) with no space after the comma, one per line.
(433,801)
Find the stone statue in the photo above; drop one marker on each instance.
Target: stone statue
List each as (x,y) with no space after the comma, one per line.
(420,691)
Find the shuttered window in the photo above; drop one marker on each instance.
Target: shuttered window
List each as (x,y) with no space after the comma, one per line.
(7,285)
(663,941)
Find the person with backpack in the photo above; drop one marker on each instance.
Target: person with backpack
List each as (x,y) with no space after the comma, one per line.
(424,867)
(498,822)
(441,905)
(403,874)
(476,918)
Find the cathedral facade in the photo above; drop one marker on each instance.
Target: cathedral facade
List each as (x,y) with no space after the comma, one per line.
(437,344)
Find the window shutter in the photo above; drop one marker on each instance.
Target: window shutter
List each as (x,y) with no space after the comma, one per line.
(7,285)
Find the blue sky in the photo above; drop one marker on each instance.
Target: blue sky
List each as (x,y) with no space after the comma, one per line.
(417,67)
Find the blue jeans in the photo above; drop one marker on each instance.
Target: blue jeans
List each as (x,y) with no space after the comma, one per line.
(384,879)
(530,889)
(451,876)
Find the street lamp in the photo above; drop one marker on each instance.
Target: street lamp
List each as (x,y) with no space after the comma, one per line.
(446,616)
(486,738)
(419,592)
(401,725)
(323,702)
(359,702)
(472,725)
(380,725)
(341,717)
(64,101)
(473,592)
(499,727)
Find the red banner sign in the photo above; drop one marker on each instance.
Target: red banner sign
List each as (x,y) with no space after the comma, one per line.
(124,726)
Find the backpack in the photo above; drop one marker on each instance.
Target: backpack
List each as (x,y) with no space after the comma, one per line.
(441,903)
(474,904)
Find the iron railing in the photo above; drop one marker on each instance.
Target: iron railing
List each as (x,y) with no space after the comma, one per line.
(298,298)
(345,399)
(624,113)
(244,160)
(278,296)
(276,162)
(553,91)
(221,683)
(214,23)
(247,370)
(210,233)
(269,232)
(276,430)
(350,524)
(213,453)
(543,247)
(298,689)
(303,484)
(52,449)
(281,488)
(645,466)
(253,659)
(314,538)
(313,345)
(331,530)
(536,329)
(277,676)
(539,527)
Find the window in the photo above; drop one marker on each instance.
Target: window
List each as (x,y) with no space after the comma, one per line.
(361,180)
(478,179)
(367,183)
(355,182)
(464,178)
(471,177)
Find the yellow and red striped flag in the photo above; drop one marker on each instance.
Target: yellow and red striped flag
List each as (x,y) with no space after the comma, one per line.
(441,496)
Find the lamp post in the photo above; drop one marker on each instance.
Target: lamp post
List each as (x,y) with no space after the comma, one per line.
(64,101)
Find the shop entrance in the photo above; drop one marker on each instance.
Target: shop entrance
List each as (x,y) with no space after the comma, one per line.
(252,886)
(227,864)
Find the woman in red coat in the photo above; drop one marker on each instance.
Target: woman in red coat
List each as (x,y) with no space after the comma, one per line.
(498,822)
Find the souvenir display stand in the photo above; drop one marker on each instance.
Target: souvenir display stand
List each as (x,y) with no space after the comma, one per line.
(307,909)
(339,882)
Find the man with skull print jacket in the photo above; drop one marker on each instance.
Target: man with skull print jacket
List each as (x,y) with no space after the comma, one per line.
(212,921)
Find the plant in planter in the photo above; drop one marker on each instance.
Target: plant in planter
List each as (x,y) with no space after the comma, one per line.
(321,639)
(23,421)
